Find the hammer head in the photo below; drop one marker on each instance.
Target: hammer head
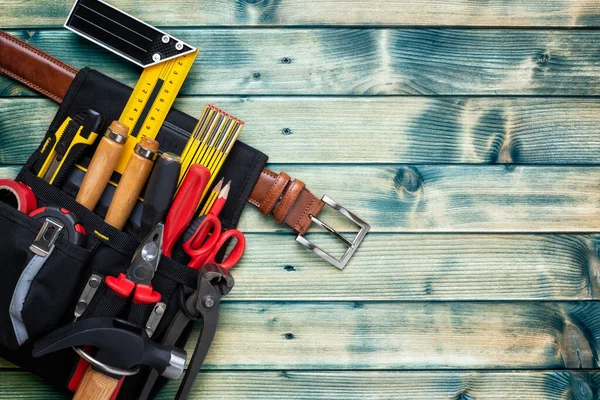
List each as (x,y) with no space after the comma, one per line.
(120,344)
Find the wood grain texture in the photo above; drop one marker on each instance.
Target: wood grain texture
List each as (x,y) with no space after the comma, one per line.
(559,13)
(96,386)
(379,130)
(395,198)
(354,385)
(9,172)
(360,61)
(356,335)
(422,267)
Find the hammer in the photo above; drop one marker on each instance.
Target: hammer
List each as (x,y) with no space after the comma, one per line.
(122,349)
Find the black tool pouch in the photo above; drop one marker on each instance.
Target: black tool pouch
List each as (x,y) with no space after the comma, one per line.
(50,302)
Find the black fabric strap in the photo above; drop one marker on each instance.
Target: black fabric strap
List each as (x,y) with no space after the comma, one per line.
(175,271)
(139,313)
(121,242)
(105,304)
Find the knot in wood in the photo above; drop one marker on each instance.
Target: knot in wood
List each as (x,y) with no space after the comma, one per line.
(543,58)
(580,389)
(408,179)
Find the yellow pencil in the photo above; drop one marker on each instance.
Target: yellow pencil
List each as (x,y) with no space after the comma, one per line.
(230,144)
(213,196)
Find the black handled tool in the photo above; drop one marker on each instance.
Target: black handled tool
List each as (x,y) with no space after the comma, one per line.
(160,191)
(63,149)
(213,283)
(122,349)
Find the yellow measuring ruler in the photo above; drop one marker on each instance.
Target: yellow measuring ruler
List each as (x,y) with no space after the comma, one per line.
(151,100)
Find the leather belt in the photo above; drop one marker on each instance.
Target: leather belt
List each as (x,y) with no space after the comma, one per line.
(286,199)
(34,68)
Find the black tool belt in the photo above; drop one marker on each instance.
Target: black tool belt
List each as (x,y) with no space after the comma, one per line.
(54,289)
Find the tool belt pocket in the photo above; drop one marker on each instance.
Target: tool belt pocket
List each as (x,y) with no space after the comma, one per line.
(53,291)
(35,292)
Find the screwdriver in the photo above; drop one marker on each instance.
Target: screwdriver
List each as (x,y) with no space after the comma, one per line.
(185,205)
(132,182)
(102,165)
(160,191)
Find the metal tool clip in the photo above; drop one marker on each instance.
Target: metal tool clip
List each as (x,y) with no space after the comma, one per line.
(46,237)
(154,320)
(352,245)
(89,291)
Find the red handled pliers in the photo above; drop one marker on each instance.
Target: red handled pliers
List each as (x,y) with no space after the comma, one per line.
(141,271)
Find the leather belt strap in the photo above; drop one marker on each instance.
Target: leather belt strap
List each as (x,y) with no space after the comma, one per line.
(34,68)
(288,200)
(274,194)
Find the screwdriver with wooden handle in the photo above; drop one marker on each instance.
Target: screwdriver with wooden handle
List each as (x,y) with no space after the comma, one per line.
(132,182)
(102,165)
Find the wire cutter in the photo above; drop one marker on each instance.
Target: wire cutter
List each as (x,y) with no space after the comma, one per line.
(141,271)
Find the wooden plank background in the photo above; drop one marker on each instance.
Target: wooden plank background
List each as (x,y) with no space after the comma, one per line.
(465,132)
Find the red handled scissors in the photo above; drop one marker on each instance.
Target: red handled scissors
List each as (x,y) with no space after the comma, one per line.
(207,241)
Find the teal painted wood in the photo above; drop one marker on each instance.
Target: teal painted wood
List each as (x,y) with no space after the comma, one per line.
(397,198)
(9,172)
(362,61)
(278,305)
(377,130)
(350,385)
(262,336)
(407,336)
(45,13)
(409,267)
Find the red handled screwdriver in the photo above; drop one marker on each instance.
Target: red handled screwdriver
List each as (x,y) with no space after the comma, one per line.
(185,205)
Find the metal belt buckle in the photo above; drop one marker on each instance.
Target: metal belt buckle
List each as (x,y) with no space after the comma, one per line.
(352,245)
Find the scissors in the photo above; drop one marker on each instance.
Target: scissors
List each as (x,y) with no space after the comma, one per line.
(207,241)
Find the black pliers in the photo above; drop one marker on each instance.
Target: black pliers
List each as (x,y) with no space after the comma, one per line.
(204,304)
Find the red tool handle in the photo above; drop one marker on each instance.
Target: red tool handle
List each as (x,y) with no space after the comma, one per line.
(185,205)
(236,254)
(122,286)
(198,247)
(144,294)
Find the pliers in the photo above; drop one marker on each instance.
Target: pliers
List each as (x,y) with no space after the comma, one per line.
(141,271)
(204,304)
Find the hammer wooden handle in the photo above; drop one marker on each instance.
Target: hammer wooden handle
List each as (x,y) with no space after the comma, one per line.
(96,386)
(131,184)
(102,165)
